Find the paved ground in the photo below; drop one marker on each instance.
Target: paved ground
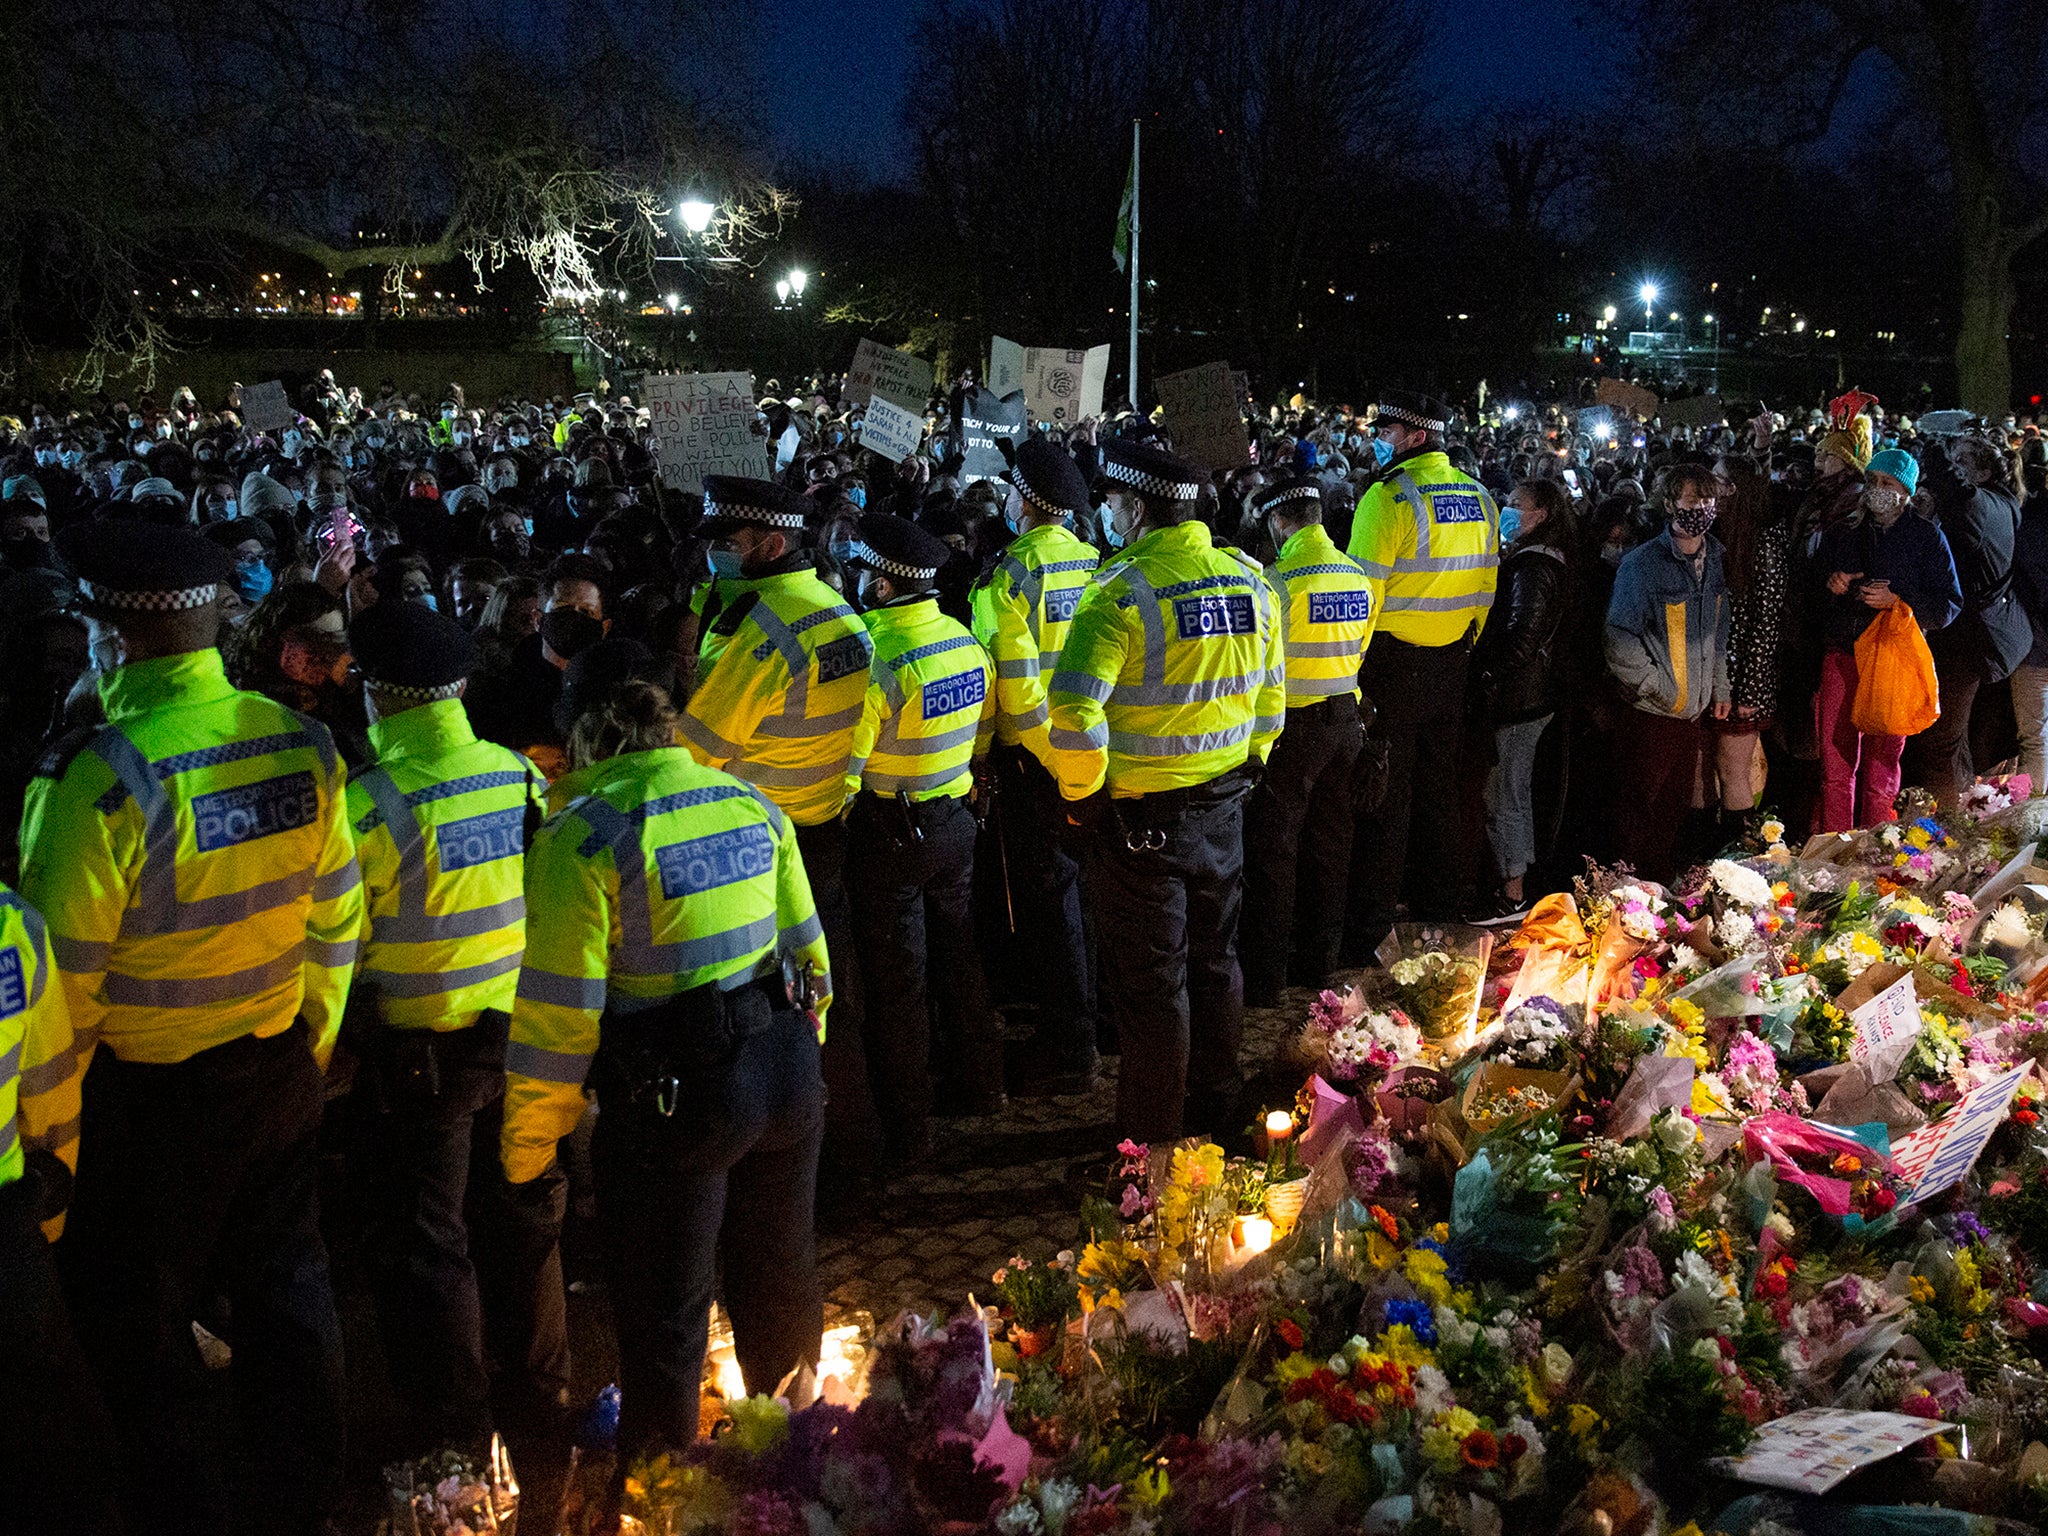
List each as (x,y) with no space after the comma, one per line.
(996,1186)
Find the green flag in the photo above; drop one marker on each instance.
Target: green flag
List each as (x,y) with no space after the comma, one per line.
(1121,252)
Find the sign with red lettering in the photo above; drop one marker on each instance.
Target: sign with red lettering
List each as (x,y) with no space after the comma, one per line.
(704,424)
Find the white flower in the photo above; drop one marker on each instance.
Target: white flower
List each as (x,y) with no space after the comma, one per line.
(1675,1131)
(1020,1519)
(1744,886)
(1453,1329)
(1432,1392)
(1557,1367)
(1339,1364)
(1497,1337)
(1684,957)
(1781,1224)
(1735,931)
(2009,927)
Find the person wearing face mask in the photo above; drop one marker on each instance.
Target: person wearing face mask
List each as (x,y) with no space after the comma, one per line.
(921,743)
(1428,536)
(247,541)
(1667,646)
(1298,824)
(1021,615)
(25,528)
(777,709)
(1884,553)
(1169,694)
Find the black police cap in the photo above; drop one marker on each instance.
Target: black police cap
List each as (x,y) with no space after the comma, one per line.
(732,501)
(410,651)
(128,566)
(1047,477)
(1278,497)
(897,547)
(1412,409)
(1152,471)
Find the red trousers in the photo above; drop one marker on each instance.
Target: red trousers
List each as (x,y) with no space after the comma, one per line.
(1859,773)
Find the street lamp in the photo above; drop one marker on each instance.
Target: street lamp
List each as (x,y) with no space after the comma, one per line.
(1648,294)
(797,279)
(696,214)
(782,289)
(1716,326)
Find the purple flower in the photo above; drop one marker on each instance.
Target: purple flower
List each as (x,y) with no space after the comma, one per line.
(1370,1163)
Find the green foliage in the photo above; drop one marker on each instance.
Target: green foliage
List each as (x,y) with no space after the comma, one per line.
(1161,1392)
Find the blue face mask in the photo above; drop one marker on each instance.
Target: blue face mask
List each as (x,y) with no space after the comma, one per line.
(1382,450)
(252,579)
(842,551)
(1510,523)
(858,495)
(1110,536)
(726,563)
(1014,523)
(428,600)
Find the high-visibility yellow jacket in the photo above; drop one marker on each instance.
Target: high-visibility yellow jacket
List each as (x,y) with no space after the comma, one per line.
(665,876)
(1326,613)
(930,709)
(779,706)
(1021,615)
(40,1065)
(1429,539)
(194,864)
(441,825)
(1173,672)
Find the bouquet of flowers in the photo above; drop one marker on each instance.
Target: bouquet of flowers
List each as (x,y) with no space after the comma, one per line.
(1538,1035)
(449,1494)
(1438,980)
(1039,1299)
(1351,1046)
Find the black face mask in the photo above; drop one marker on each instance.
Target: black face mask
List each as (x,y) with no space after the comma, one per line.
(28,553)
(568,632)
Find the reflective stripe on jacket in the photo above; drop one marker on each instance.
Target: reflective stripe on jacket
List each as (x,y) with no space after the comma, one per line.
(1173,672)
(1326,614)
(40,1062)
(665,876)
(440,826)
(194,864)
(1429,539)
(930,710)
(1021,616)
(779,706)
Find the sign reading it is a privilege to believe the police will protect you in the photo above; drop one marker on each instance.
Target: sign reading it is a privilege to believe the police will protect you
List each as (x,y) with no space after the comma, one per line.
(703,424)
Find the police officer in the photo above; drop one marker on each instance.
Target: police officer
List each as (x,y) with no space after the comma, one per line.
(669,924)
(777,709)
(1298,822)
(1429,539)
(1170,692)
(1021,615)
(927,721)
(441,825)
(52,1422)
(193,862)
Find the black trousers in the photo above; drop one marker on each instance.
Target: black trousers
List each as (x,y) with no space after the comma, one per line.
(912,898)
(1419,693)
(515,1243)
(732,1172)
(195,1179)
(56,1440)
(1044,880)
(853,1137)
(1164,874)
(416,1100)
(1294,887)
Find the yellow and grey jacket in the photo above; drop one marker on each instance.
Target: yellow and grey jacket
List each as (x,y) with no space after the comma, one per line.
(40,1066)
(1325,616)
(194,864)
(1173,672)
(779,706)
(930,712)
(664,876)
(1429,539)
(441,825)
(1021,616)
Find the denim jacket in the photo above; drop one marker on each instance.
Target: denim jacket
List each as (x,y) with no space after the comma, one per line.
(1667,629)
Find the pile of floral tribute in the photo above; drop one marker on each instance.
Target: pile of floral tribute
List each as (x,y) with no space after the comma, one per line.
(1550,1240)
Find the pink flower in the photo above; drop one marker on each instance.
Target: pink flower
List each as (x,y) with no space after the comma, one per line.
(1132,1149)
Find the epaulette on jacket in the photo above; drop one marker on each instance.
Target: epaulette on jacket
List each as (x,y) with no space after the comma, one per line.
(734,614)
(57,757)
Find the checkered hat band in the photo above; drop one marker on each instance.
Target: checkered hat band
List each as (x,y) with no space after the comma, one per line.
(743,513)
(424,695)
(1295,493)
(1151,485)
(866,556)
(1413,418)
(150,602)
(1050,508)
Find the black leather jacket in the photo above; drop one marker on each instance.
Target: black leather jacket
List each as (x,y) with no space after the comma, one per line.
(1517,662)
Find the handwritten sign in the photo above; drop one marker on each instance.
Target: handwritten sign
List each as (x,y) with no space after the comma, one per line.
(985,417)
(266,408)
(703,424)
(901,378)
(1630,399)
(890,430)
(1886,1027)
(1005,366)
(1202,413)
(1816,1448)
(1938,1156)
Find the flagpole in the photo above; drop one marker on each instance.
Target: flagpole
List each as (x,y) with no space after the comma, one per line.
(1134,264)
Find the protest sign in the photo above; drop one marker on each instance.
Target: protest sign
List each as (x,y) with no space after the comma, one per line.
(890,430)
(901,378)
(1064,386)
(985,417)
(1937,1156)
(1632,399)
(1816,1448)
(1700,411)
(703,424)
(1005,366)
(1202,414)
(265,407)
(1885,1029)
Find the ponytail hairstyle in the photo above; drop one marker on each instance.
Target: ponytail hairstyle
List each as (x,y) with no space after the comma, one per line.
(632,716)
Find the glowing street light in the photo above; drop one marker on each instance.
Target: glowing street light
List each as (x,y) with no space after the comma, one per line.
(696,214)
(675,302)
(797,279)
(782,290)
(1608,314)
(1648,294)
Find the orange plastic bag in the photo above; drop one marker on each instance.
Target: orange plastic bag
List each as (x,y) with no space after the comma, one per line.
(1896,694)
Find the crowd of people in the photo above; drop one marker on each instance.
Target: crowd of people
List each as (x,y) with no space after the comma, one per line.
(446,764)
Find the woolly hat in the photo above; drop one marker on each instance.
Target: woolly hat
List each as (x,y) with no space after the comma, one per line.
(262,494)
(1897,463)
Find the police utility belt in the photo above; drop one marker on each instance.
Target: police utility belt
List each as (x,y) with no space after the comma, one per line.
(645,1058)
(1143,819)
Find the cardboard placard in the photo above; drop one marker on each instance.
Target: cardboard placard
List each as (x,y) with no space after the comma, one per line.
(1203,416)
(1938,1156)
(1700,411)
(1630,399)
(1886,1027)
(703,424)
(1005,366)
(985,417)
(266,408)
(1064,386)
(902,378)
(890,430)
(1816,1448)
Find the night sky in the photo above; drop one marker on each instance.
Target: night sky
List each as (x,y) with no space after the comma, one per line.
(836,74)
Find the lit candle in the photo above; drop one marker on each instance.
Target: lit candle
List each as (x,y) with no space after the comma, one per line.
(1279,1125)
(1256,1233)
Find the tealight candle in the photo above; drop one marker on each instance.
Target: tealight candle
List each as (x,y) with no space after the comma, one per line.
(1279,1125)
(1255,1233)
